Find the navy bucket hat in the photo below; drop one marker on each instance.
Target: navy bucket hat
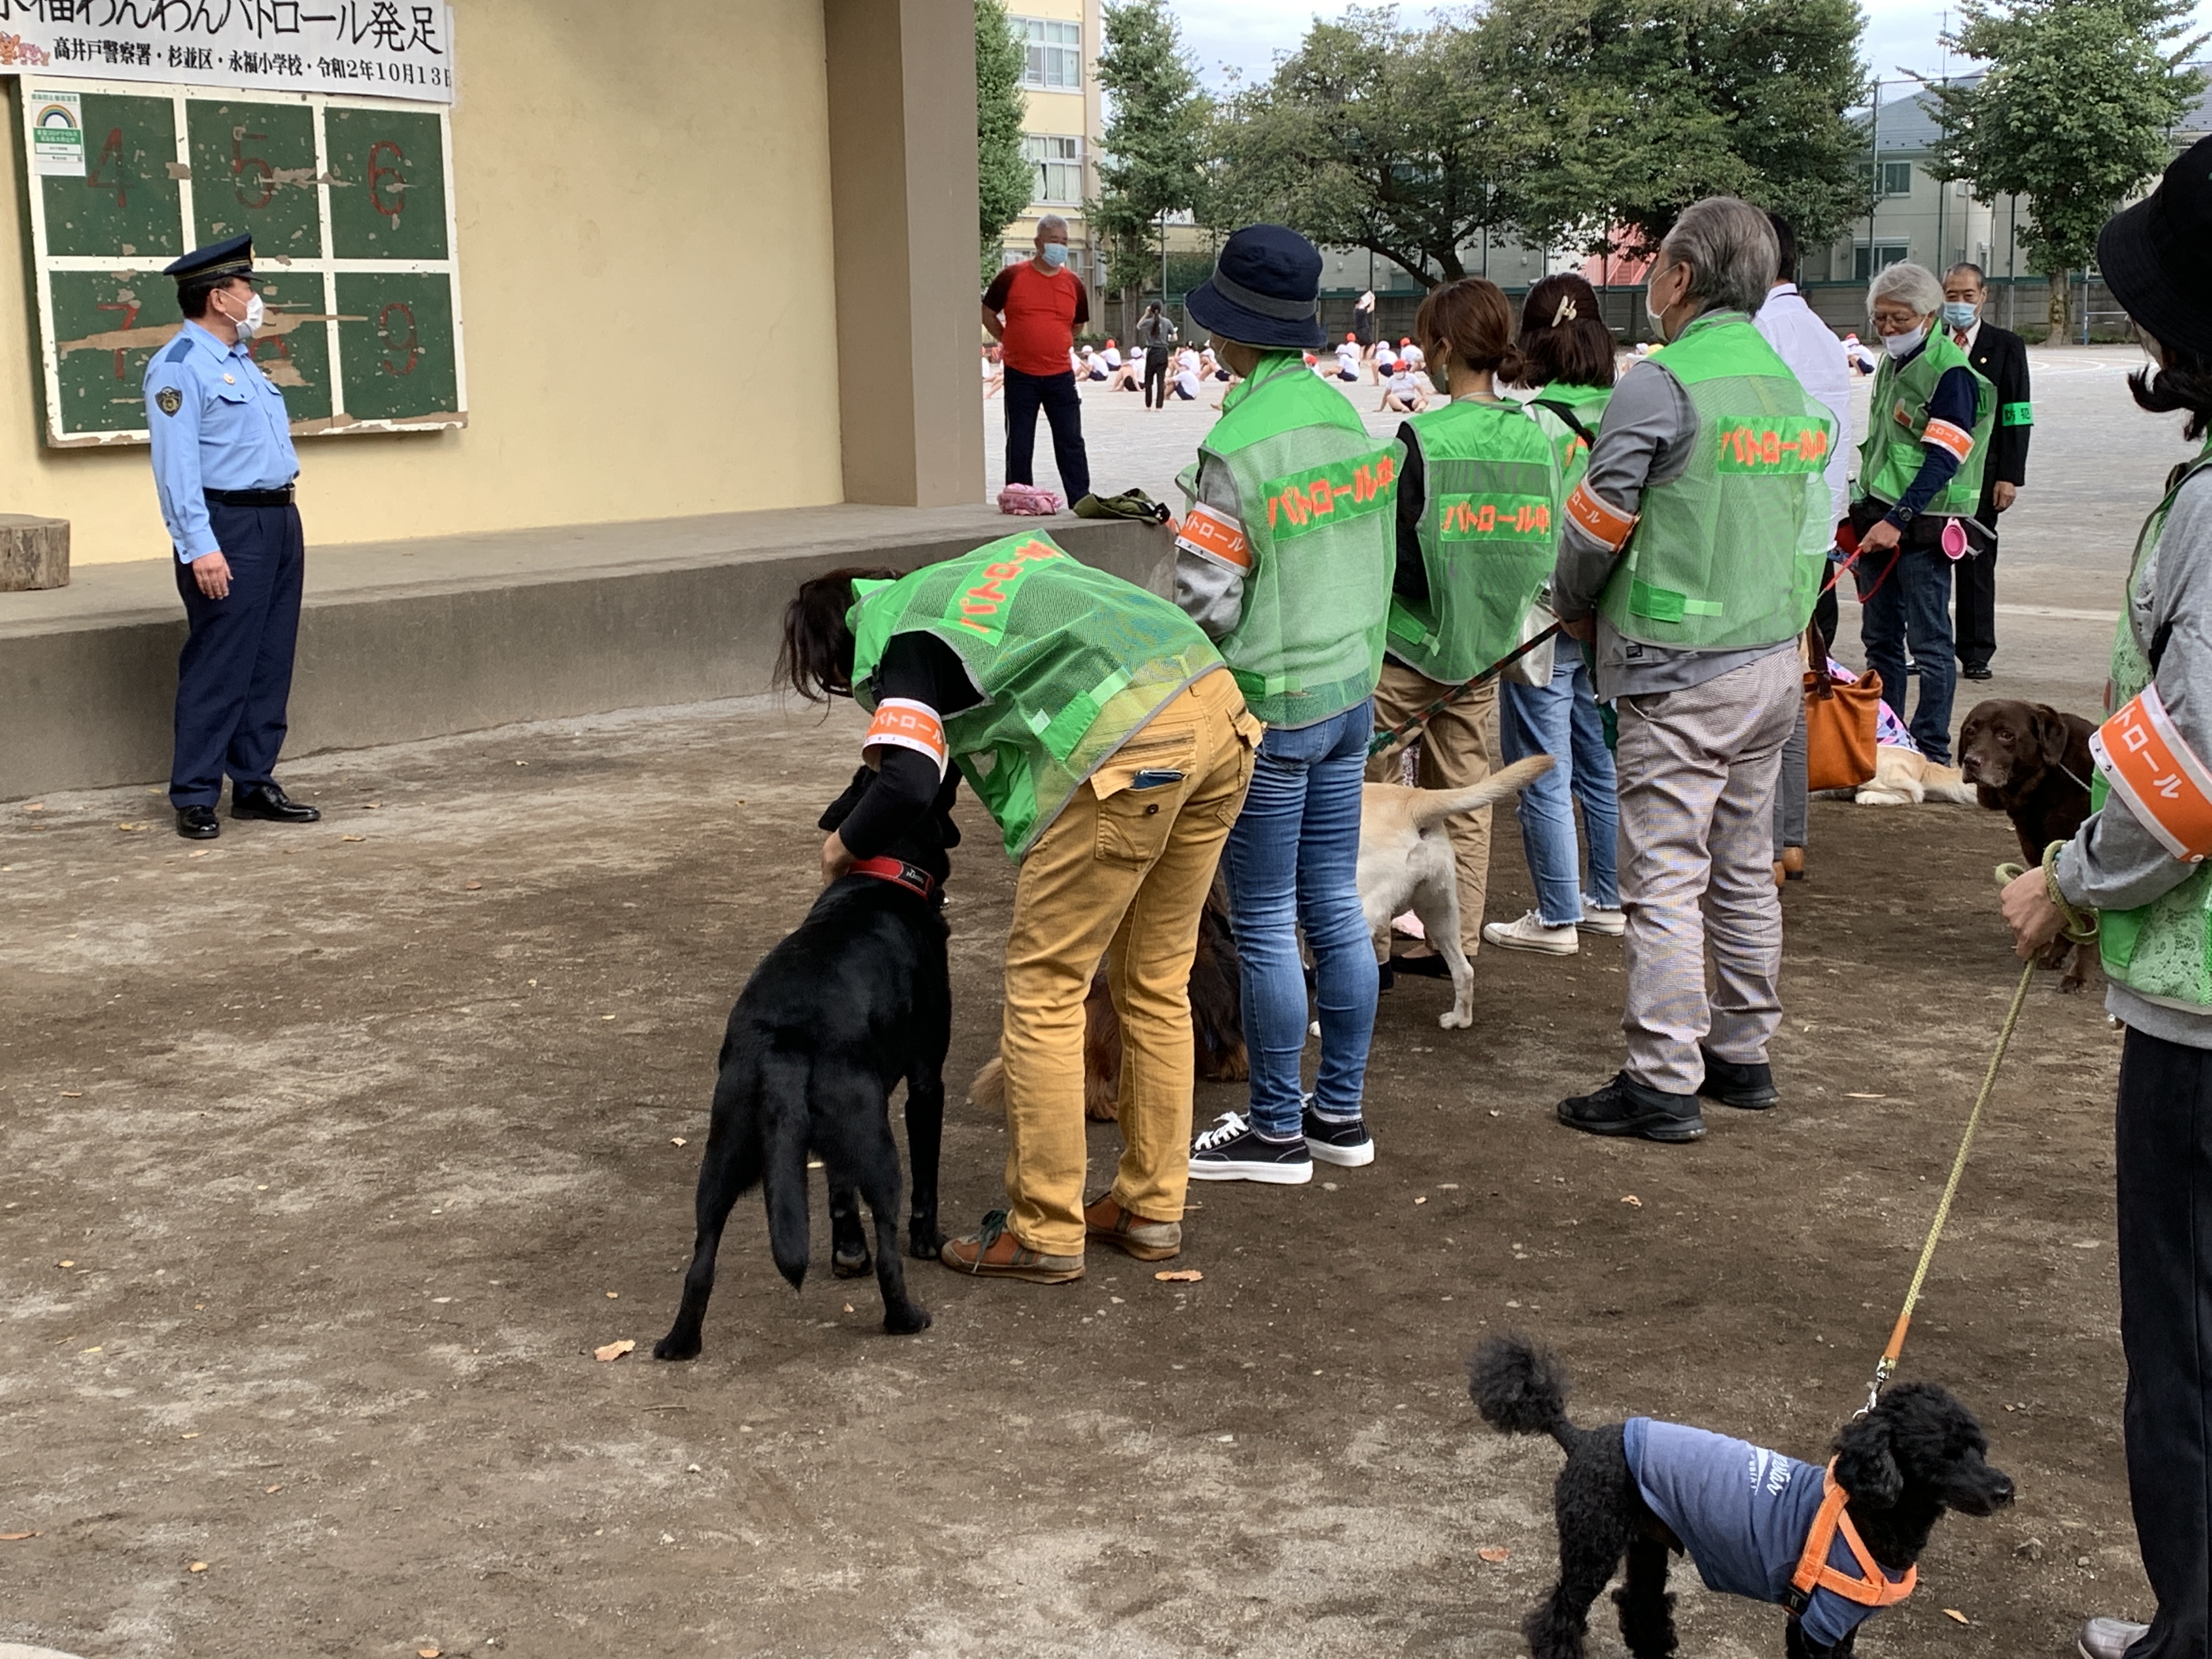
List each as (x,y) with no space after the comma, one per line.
(1264,291)
(2154,256)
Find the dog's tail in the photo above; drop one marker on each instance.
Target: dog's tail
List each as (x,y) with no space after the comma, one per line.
(1432,806)
(989,1090)
(784,1142)
(1519,1388)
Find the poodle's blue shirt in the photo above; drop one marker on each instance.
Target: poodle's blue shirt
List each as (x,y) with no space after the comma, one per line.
(1743,1513)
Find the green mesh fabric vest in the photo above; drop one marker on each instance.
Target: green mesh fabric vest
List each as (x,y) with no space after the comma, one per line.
(1587,404)
(2162,950)
(1728,556)
(1070,662)
(1896,414)
(1318,497)
(1488,539)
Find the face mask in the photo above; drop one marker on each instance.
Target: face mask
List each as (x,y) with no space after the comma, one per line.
(1959,313)
(1054,254)
(1658,322)
(249,325)
(1904,345)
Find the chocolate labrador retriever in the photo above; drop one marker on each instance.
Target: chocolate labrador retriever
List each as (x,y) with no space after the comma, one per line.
(2032,763)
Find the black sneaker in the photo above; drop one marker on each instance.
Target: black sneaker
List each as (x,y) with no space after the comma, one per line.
(1747,1088)
(1338,1141)
(1626,1106)
(1232,1150)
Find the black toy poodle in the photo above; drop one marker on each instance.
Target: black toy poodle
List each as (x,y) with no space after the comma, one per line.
(1834,1546)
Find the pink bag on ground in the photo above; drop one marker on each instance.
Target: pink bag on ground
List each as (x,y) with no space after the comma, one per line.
(1027,501)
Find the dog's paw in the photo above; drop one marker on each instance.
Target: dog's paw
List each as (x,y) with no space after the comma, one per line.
(923,1243)
(670,1346)
(851,1266)
(1452,1020)
(911,1321)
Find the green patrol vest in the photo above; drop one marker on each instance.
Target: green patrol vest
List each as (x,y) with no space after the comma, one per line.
(1487,533)
(1890,456)
(2162,950)
(1318,497)
(1587,404)
(1070,662)
(1729,555)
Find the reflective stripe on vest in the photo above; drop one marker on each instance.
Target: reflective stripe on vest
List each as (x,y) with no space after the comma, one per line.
(1070,662)
(2149,765)
(1727,555)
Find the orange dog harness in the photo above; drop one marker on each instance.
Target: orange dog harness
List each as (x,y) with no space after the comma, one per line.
(1871,1589)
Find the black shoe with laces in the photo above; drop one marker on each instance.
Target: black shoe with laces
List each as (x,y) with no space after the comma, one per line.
(197,823)
(1626,1106)
(1232,1150)
(1342,1141)
(1747,1088)
(269,802)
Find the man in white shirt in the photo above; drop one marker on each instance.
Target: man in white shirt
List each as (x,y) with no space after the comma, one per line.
(1802,340)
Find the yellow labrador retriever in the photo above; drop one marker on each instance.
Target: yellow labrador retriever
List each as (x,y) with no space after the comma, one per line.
(1405,863)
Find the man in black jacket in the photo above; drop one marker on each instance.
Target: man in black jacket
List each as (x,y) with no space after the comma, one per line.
(2002,358)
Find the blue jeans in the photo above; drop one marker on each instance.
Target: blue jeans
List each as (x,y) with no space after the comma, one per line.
(1292,862)
(1561,720)
(1913,604)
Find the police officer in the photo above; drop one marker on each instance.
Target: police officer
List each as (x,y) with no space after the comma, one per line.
(223,468)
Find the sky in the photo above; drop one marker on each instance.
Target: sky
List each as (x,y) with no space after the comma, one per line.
(1250,34)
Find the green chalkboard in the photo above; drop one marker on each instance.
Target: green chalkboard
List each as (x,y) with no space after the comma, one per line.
(352,223)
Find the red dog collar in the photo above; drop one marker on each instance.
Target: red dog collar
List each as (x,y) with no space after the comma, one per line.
(1871,1589)
(911,877)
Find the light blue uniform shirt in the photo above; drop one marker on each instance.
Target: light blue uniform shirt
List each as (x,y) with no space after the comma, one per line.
(218,423)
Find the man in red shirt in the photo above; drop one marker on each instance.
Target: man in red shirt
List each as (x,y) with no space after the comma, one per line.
(1032,310)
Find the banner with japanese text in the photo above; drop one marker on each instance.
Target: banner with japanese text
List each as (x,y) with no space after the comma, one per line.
(361,48)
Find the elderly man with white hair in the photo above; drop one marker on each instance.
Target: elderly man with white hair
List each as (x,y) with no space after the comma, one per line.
(1692,550)
(1920,480)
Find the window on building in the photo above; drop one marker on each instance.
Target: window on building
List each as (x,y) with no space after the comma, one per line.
(1891,178)
(1059,164)
(1056,53)
(1867,258)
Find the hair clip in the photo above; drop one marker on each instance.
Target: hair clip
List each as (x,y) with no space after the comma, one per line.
(1566,313)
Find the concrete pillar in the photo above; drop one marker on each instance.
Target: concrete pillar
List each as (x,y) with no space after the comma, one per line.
(901,77)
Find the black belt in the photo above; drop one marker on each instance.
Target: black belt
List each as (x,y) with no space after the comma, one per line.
(281,497)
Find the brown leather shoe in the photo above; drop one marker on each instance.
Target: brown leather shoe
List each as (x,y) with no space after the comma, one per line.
(1106,1222)
(995,1253)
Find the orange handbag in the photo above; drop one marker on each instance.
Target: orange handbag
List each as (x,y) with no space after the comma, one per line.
(1839,728)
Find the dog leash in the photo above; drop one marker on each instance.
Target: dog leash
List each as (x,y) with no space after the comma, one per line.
(1407,727)
(2081,928)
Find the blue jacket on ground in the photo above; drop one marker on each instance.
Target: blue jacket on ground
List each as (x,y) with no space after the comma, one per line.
(1743,1514)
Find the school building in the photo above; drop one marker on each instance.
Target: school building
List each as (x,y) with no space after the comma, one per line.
(572,422)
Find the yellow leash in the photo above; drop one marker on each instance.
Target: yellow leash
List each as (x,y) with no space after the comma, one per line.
(2082,927)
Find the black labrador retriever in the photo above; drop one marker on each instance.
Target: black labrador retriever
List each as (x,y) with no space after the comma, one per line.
(856,997)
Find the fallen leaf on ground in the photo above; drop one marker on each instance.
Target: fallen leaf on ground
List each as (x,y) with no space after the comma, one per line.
(471,886)
(1632,1201)
(848,1308)
(678,1141)
(1855,1095)
(615,1350)
(72,1094)
(36,806)
(194,1435)
(1494,1553)
(353,837)
(203,853)
(426,1653)
(1181,1276)
(267,1490)
(66,1261)
(613,1295)
(1420,1200)
(1953,1613)
(16,1537)
(130,826)
(196,1566)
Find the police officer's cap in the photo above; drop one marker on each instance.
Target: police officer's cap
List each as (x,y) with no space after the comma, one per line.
(231,257)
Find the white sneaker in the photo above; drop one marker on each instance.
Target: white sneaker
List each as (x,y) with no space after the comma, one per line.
(1605,923)
(1529,934)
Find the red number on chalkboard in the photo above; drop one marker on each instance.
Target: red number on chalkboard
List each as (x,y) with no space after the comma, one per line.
(377,172)
(110,151)
(394,347)
(130,310)
(239,163)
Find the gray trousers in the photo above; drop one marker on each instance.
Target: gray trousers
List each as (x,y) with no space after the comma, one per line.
(1791,790)
(1697,769)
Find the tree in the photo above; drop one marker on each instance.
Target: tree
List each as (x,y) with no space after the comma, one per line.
(1155,150)
(1005,178)
(1370,136)
(2075,113)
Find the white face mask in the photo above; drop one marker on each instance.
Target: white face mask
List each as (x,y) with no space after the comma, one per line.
(249,325)
(1658,321)
(1904,345)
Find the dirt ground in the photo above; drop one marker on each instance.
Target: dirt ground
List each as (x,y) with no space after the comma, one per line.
(328,1155)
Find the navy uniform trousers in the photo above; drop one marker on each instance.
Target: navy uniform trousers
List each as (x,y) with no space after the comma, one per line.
(235,675)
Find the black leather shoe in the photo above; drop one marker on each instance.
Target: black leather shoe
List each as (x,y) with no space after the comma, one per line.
(1747,1088)
(269,800)
(197,822)
(1626,1106)
(1975,671)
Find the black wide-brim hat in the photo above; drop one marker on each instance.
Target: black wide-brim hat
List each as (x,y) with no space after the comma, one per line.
(2156,257)
(1264,291)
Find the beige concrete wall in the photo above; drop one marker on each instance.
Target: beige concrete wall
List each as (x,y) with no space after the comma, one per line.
(647,283)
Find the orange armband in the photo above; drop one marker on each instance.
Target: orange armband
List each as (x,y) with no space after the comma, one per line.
(2148,764)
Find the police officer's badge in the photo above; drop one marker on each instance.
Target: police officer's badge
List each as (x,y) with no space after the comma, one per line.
(169,400)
